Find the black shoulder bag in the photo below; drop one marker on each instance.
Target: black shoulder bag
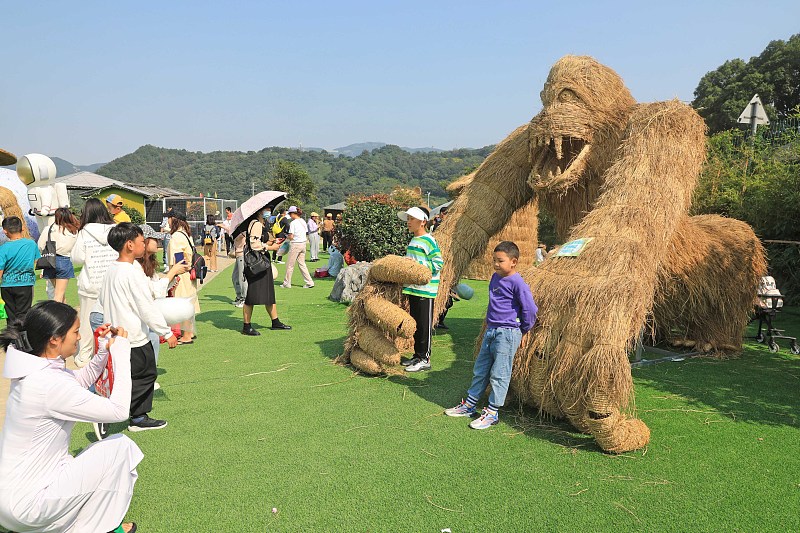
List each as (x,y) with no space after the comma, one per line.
(48,259)
(256,261)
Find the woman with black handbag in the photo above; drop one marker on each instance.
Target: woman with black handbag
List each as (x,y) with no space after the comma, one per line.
(62,233)
(258,272)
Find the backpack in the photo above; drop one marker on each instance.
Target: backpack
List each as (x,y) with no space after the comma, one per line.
(199,269)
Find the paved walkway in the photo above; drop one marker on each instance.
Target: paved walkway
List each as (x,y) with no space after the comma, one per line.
(222,264)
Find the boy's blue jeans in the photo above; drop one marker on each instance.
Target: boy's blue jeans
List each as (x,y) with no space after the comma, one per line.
(494,364)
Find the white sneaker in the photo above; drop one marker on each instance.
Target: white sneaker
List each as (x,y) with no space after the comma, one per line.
(419,365)
(156,386)
(284,286)
(240,304)
(308,286)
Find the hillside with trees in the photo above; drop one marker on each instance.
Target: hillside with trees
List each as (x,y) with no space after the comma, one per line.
(232,174)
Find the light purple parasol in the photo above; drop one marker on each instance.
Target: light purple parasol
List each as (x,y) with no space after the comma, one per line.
(250,208)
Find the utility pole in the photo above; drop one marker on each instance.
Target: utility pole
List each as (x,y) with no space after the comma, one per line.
(252,188)
(429,199)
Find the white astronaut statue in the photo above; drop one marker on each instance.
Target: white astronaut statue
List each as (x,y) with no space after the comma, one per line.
(38,173)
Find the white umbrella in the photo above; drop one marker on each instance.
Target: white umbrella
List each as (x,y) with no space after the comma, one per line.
(250,208)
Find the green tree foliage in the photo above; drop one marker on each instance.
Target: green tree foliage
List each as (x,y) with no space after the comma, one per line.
(294,180)
(233,174)
(136,216)
(758,182)
(370,228)
(722,94)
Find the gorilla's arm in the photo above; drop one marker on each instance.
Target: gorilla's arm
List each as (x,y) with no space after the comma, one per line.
(484,207)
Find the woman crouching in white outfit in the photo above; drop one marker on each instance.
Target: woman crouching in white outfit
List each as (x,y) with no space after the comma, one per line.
(42,487)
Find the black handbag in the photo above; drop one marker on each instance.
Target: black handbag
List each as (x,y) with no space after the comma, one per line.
(48,259)
(255,261)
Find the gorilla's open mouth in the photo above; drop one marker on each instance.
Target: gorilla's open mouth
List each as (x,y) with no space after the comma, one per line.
(558,162)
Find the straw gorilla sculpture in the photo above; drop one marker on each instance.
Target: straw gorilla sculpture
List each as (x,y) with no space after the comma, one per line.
(623,174)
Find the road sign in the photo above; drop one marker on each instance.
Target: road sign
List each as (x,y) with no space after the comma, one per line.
(754,110)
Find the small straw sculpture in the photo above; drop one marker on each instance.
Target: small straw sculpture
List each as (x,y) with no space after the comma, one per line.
(11,208)
(380,328)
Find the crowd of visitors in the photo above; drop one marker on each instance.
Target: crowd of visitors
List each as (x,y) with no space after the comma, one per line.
(118,286)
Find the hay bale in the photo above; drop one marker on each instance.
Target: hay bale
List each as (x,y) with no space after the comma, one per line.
(375,344)
(396,269)
(364,363)
(389,317)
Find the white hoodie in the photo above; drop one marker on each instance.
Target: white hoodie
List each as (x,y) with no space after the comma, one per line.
(93,252)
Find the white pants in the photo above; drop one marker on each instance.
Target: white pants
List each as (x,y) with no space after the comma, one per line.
(297,254)
(91,492)
(313,241)
(87,335)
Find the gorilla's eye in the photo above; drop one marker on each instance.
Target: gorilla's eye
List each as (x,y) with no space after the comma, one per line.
(567,95)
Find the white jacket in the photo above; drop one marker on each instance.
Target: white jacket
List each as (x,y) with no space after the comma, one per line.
(126,297)
(44,488)
(93,252)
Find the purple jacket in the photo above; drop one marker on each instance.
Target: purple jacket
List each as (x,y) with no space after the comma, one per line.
(511,303)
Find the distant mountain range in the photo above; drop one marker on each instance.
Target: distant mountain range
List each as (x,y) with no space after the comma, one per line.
(353,150)
(65,167)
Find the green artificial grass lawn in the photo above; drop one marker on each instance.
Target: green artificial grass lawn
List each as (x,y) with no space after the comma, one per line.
(270,422)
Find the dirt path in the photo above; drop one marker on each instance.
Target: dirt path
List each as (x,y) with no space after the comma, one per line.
(222,263)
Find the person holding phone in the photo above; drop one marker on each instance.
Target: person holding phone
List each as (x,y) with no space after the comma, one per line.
(181,250)
(42,486)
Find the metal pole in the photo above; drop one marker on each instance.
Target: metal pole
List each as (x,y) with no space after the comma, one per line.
(429,198)
(753,126)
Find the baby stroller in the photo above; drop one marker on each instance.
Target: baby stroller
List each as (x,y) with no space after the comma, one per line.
(769,302)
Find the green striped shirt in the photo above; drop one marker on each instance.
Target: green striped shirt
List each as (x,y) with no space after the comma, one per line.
(425,251)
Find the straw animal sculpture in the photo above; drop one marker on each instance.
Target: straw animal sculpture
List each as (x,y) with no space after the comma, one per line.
(522,229)
(623,174)
(381,329)
(11,208)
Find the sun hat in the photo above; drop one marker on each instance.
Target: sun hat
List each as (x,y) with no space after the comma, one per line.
(150,233)
(293,209)
(7,158)
(413,212)
(114,199)
(314,214)
(329,215)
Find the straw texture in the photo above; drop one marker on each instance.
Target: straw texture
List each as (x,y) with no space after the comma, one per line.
(396,269)
(11,208)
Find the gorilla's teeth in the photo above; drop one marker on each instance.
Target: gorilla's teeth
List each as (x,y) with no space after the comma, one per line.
(557,141)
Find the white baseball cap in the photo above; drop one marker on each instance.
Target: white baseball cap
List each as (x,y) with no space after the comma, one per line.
(413,212)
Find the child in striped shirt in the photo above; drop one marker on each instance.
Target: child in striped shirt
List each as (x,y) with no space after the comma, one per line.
(424,250)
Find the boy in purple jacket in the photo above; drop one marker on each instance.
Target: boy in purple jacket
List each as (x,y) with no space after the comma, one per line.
(511,314)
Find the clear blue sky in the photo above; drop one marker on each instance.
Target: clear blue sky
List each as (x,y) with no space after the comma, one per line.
(92,81)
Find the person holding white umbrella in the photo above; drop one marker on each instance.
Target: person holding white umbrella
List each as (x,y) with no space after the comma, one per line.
(259,241)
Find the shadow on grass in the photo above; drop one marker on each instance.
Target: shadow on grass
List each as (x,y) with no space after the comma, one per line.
(332,348)
(758,386)
(230,319)
(218,298)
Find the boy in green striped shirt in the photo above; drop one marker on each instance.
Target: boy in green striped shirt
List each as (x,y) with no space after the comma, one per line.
(424,250)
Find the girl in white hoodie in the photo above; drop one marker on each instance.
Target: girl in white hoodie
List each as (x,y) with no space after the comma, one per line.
(92,251)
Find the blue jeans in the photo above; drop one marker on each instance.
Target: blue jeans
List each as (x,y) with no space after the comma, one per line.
(96,320)
(494,364)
